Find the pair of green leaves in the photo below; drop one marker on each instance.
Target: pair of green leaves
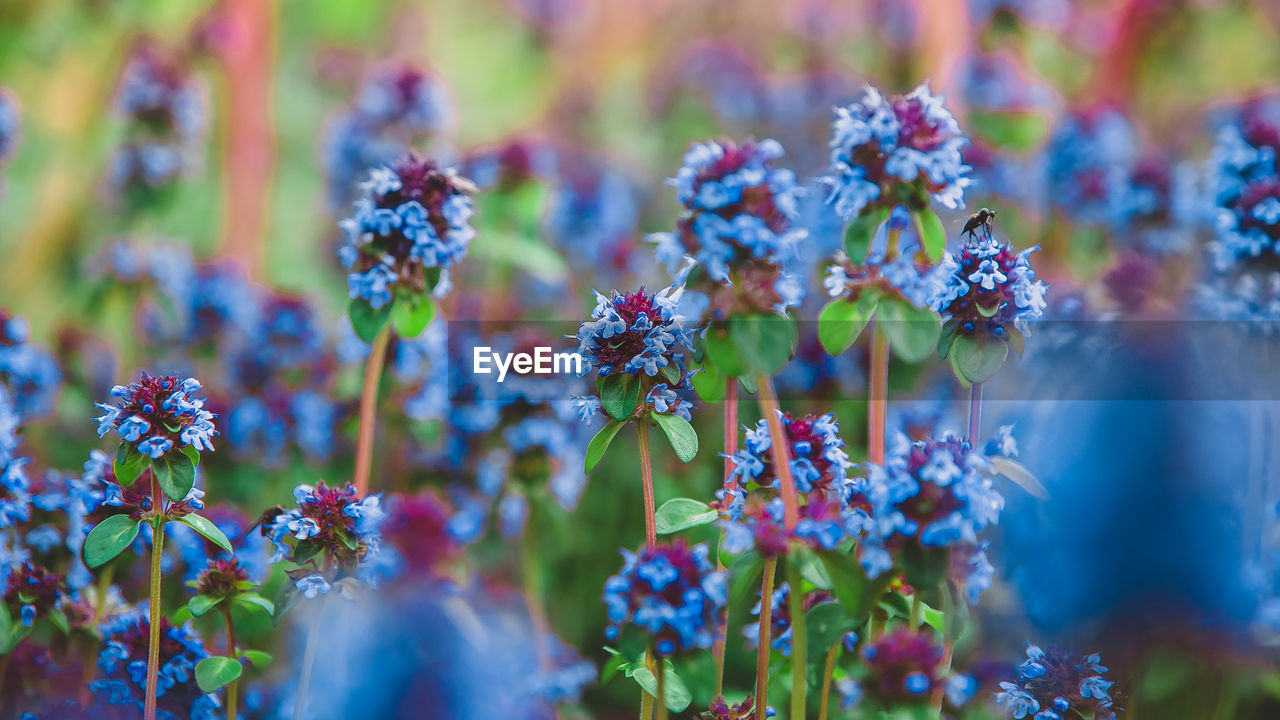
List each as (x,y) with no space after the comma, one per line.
(912,332)
(408,315)
(680,434)
(201,604)
(175,472)
(862,232)
(110,537)
(676,694)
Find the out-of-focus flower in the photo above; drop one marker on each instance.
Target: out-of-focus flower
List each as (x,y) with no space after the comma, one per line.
(120,687)
(396,108)
(903,667)
(671,592)
(344,530)
(738,225)
(165,112)
(30,374)
(899,150)
(1052,683)
(158,414)
(32,593)
(781,619)
(410,225)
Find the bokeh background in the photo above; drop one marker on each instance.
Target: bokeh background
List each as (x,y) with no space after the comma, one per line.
(173,174)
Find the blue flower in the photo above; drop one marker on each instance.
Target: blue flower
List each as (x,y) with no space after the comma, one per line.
(673,592)
(30,374)
(121,678)
(987,290)
(411,225)
(1051,683)
(740,217)
(161,405)
(312,585)
(879,145)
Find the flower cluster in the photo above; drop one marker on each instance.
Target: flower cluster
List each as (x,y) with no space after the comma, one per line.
(166,116)
(986,290)
(222,578)
(1052,683)
(745,710)
(898,150)
(819,463)
(15,487)
(30,373)
(672,592)
(635,332)
(122,664)
(1245,195)
(159,412)
(905,666)
(411,224)
(395,108)
(929,495)
(345,531)
(739,224)
(33,592)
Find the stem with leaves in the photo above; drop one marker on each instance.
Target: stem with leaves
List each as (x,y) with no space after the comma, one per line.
(153,598)
(368,409)
(646,477)
(234,686)
(765,637)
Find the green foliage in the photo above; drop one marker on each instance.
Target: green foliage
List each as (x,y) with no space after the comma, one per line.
(933,236)
(600,443)
(411,315)
(175,474)
(764,342)
(977,360)
(850,584)
(366,320)
(709,383)
(912,331)
(826,624)
(679,514)
(259,658)
(1019,131)
(216,671)
(108,539)
(681,435)
(862,231)
(205,527)
(201,604)
(620,394)
(842,321)
(722,351)
(676,695)
(129,464)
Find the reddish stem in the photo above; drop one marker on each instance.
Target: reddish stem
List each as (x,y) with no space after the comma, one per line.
(368,410)
(780,450)
(730,449)
(765,637)
(877,394)
(646,476)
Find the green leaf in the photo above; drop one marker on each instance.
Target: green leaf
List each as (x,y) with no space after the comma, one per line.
(841,322)
(214,672)
(933,236)
(676,694)
(182,615)
(205,527)
(259,658)
(58,619)
(862,232)
(744,576)
(611,668)
(912,331)
(619,394)
(255,601)
(955,612)
(366,321)
(175,474)
(108,539)
(811,568)
(709,383)
(411,315)
(977,361)
(201,604)
(671,373)
(600,443)
(765,342)
(129,464)
(748,383)
(945,338)
(722,351)
(1017,340)
(850,584)
(826,624)
(681,435)
(192,453)
(679,514)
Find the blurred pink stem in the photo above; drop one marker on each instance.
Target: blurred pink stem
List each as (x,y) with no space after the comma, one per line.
(368,410)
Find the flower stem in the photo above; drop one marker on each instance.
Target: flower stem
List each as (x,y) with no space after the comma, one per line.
(780,449)
(368,409)
(153,598)
(660,704)
(799,642)
(765,637)
(308,662)
(646,705)
(975,412)
(917,611)
(646,476)
(234,686)
(828,674)
(877,394)
(730,449)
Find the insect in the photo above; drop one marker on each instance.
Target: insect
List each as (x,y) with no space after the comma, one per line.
(264,521)
(979,221)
